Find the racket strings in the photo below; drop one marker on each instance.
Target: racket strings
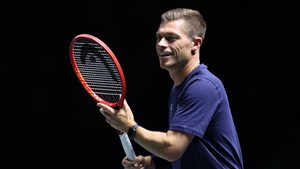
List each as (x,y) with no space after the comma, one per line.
(98,69)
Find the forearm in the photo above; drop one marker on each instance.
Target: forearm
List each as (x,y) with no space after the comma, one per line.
(156,142)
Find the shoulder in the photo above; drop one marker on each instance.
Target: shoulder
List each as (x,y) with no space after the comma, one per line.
(203,87)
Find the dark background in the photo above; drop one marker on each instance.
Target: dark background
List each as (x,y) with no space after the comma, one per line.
(49,121)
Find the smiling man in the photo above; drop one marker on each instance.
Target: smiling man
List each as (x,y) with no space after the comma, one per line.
(201,133)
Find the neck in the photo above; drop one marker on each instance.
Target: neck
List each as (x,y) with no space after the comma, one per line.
(178,76)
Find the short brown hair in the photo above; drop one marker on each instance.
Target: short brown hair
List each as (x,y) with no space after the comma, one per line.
(196,25)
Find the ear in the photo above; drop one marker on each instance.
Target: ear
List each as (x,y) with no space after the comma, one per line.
(197,43)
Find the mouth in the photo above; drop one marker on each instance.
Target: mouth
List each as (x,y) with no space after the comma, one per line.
(165,54)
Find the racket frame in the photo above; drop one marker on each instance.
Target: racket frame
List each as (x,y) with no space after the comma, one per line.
(118,104)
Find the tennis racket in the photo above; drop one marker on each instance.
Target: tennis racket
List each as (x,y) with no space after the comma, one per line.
(101,75)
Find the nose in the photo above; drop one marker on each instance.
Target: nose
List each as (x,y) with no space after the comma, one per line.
(162,42)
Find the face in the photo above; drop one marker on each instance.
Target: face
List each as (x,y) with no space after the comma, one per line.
(173,46)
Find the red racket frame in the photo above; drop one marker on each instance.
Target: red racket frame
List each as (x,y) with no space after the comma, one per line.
(118,104)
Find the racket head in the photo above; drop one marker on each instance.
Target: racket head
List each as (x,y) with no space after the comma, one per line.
(98,70)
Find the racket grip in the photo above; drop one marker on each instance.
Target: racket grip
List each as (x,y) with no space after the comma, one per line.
(127,146)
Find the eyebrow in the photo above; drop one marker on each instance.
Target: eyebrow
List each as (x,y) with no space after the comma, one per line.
(166,34)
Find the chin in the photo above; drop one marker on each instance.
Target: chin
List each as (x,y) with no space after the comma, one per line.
(164,66)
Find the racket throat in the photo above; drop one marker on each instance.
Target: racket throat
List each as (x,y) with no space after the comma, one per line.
(120,132)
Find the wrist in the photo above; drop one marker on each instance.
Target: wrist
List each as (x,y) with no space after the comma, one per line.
(132,131)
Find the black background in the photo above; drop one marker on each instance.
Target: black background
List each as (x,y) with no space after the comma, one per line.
(51,122)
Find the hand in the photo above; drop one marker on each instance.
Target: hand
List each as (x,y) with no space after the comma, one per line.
(138,163)
(119,119)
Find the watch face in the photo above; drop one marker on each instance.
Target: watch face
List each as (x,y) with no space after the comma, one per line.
(131,131)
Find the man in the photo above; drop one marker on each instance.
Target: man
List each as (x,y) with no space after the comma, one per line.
(201,130)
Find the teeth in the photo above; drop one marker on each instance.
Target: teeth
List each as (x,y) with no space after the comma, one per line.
(165,54)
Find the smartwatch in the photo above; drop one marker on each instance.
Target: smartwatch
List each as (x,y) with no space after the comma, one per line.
(131,131)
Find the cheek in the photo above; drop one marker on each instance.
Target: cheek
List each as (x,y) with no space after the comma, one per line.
(186,49)
(178,49)
(157,49)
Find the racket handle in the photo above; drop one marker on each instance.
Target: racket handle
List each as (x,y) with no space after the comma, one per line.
(127,146)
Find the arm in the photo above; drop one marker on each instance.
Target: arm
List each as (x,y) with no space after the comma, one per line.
(168,145)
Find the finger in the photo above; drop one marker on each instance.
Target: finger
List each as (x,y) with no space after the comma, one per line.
(107,115)
(107,121)
(105,108)
(102,105)
(125,103)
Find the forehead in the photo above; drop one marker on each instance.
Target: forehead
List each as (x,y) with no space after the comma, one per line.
(172,27)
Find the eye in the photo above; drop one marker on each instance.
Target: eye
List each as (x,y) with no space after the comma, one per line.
(158,37)
(171,38)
